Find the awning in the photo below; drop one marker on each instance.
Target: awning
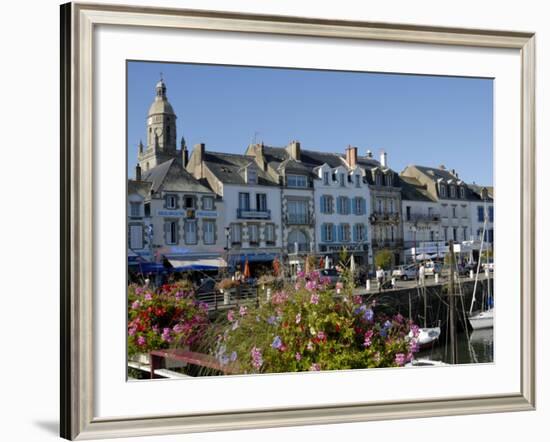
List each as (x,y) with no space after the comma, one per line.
(252,257)
(181,265)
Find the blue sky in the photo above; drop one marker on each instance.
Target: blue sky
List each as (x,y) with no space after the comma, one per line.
(422,120)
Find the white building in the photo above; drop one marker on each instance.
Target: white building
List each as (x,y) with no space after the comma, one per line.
(481,210)
(342,209)
(252,206)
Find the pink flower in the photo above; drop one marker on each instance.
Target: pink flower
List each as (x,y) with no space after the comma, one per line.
(315,367)
(399,318)
(257,360)
(314,298)
(132,331)
(148,297)
(311,285)
(141,340)
(243,310)
(310,346)
(321,335)
(298,356)
(166,337)
(368,338)
(414,346)
(415,330)
(178,328)
(298,318)
(400,359)
(230,315)
(357,299)
(135,305)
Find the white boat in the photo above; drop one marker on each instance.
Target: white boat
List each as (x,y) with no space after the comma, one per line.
(482,319)
(427,336)
(425,363)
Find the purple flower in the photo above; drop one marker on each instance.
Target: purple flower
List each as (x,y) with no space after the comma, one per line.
(368,315)
(233,356)
(277,343)
(414,346)
(179,295)
(166,337)
(301,274)
(257,360)
(298,356)
(321,335)
(243,310)
(178,328)
(224,360)
(314,299)
(387,324)
(400,359)
(368,338)
(141,340)
(298,318)
(132,331)
(311,285)
(148,297)
(399,318)
(135,305)
(315,367)
(415,330)
(271,320)
(230,315)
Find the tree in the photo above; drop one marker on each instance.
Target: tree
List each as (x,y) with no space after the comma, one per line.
(383,258)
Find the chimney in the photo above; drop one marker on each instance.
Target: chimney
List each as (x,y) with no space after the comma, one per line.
(184,153)
(369,153)
(351,156)
(198,159)
(140,147)
(138,172)
(293,150)
(383,159)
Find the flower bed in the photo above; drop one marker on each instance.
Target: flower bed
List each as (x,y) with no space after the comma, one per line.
(311,327)
(170,317)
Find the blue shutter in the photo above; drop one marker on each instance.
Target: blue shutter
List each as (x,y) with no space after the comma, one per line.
(334,233)
(338,205)
(480,214)
(354,233)
(348,202)
(490,214)
(323,233)
(322,204)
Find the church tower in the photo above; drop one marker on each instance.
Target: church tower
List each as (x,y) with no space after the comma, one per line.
(161,132)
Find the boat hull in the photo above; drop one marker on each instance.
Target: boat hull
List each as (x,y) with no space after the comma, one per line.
(482,320)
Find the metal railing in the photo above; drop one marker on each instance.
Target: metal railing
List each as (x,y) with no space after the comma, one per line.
(253,214)
(217,299)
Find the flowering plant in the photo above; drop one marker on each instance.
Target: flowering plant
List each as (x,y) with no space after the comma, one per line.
(310,326)
(169,317)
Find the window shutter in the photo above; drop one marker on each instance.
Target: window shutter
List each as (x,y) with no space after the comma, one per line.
(338,205)
(348,203)
(324,232)
(334,233)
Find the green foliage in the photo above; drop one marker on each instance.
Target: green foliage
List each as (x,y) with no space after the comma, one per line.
(310,327)
(171,316)
(384,259)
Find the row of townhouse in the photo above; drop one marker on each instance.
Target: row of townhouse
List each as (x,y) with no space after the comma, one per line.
(288,202)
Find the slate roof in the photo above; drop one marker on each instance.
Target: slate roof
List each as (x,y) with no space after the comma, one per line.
(476,188)
(140,187)
(413,190)
(309,159)
(171,177)
(228,168)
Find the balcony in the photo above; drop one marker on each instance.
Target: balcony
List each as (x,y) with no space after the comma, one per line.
(423,218)
(384,217)
(300,219)
(253,214)
(304,247)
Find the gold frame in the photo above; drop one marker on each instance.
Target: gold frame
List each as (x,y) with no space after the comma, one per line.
(77,26)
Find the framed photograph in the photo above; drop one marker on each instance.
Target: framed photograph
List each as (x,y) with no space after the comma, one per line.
(274,221)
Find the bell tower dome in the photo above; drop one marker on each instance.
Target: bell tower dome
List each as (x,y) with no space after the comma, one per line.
(161,131)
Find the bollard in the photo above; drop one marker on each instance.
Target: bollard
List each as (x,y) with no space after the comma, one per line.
(368,285)
(436,278)
(471,274)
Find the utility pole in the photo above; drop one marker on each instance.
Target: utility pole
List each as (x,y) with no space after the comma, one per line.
(452,308)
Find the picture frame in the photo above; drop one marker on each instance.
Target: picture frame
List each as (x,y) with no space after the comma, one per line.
(79,22)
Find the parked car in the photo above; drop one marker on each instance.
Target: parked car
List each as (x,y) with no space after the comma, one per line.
(431,268)
(332,274)
(405,272)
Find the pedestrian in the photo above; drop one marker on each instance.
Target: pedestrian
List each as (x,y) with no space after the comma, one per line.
(380,278)
(421,274)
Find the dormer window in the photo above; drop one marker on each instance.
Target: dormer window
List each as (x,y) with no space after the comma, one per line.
(326,178)
(378,179)
(251,175)
(296,181)
(443,191)
(453,191)
(389,180)
(357,180)
(462,192)
(342,179)
(170,201)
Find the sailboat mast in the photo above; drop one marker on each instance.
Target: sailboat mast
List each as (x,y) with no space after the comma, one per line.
(452,318)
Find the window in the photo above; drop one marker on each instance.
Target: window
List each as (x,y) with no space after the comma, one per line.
(455,236)
(147,209)
(136,237)
(342,179)
(170,201)
(244,201)
(359,205)
(209,231)
(327,232)
(445,233)
(135,209)
(189,202)
(235,234)
(326,204)
(392,233)
(172,232)
(357,180)
(454,211)
(490,214)
(442,190)
(453,191)
(432,235)
(207,203)
(190,232)
(343,205)
(462,192)
(261,202)
(379,200)
(465,233)
(326,176)
(297,212)
(491,235)
(378,179)
(480,214)
(296,181)
(269,233)
(298,241)
(408,213)
(389,180)
(345,233)
(253,234)
(391,206)
(360,232)
(430,212)
(251,175)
